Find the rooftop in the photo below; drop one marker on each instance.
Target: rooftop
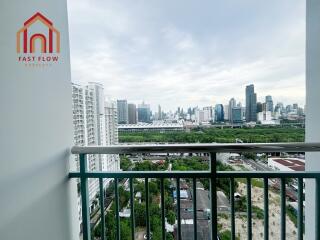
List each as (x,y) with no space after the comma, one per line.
(292,163)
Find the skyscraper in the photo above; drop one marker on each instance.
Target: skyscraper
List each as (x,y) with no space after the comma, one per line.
(232,104)
(132,113)
(112,161)
(269,103)
(97,92)
(251,104)
(259,107)
(279,108)
(236,115)
(208,113)
(144,113)
(159,113)
(122,107)
(91,128)
(199,116)
(219,113)
(226,114)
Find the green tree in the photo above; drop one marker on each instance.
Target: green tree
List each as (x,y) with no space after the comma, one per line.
(168,202)
(169,236)
(250,155)
(153,188)
(171,217)
(123,197)
(125,230)
(110,224)
(140,214)
(125,163)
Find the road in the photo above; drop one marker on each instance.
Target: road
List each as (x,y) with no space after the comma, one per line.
(258,166)
(222,202)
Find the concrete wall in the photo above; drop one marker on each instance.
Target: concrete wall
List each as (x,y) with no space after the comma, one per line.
(312,106)
(37,200)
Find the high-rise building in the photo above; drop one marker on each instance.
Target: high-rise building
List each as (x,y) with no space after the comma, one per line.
(159,113)
(226,112)
(279,108)
(132,113)
(251,104)
(89,123)
(122,106)
(112,161)
(269,103)
(236,115)
(97,91)
(232,104)
(208,113)
(288,108)
(259,107)
(79,125)
(144,113)
(219,113)
(199,116)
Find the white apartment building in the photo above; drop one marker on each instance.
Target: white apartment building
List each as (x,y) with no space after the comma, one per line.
(94,124)
(208,114)
(199,116)
(112,162)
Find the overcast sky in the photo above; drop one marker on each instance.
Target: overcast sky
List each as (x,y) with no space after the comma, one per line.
(190,53)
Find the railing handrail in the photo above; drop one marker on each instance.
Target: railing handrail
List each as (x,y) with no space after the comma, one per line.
(199,147)
(197,174)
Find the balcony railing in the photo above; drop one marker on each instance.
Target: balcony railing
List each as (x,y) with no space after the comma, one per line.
(212,175)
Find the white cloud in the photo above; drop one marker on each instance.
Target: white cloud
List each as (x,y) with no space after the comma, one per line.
(160,53)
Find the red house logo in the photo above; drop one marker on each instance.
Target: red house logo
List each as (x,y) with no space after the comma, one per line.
(49,38)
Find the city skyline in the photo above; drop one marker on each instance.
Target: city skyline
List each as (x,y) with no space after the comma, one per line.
(260,100)
(158,53)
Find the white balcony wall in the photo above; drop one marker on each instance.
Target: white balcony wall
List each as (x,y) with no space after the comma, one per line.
(312,106)
(37,200)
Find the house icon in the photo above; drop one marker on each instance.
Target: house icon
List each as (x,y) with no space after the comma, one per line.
(46,38)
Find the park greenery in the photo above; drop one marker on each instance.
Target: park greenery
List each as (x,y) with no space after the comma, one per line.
(258,134)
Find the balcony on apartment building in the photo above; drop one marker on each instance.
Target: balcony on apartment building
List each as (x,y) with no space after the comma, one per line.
(194,229)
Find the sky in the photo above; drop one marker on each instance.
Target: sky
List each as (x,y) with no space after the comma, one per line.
(187,52)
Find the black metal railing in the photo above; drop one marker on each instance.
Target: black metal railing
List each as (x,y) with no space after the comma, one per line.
(212,175)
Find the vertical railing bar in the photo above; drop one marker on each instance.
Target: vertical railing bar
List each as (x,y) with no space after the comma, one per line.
(162,209)
(213,195)
(317,199)
(147,208)
(233,229)
(132,209)
(178,208)
(266,207)
(300,208)
(102,209)
(283,207)
(249,209)
(84,198)
(194,194)
(116,193)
